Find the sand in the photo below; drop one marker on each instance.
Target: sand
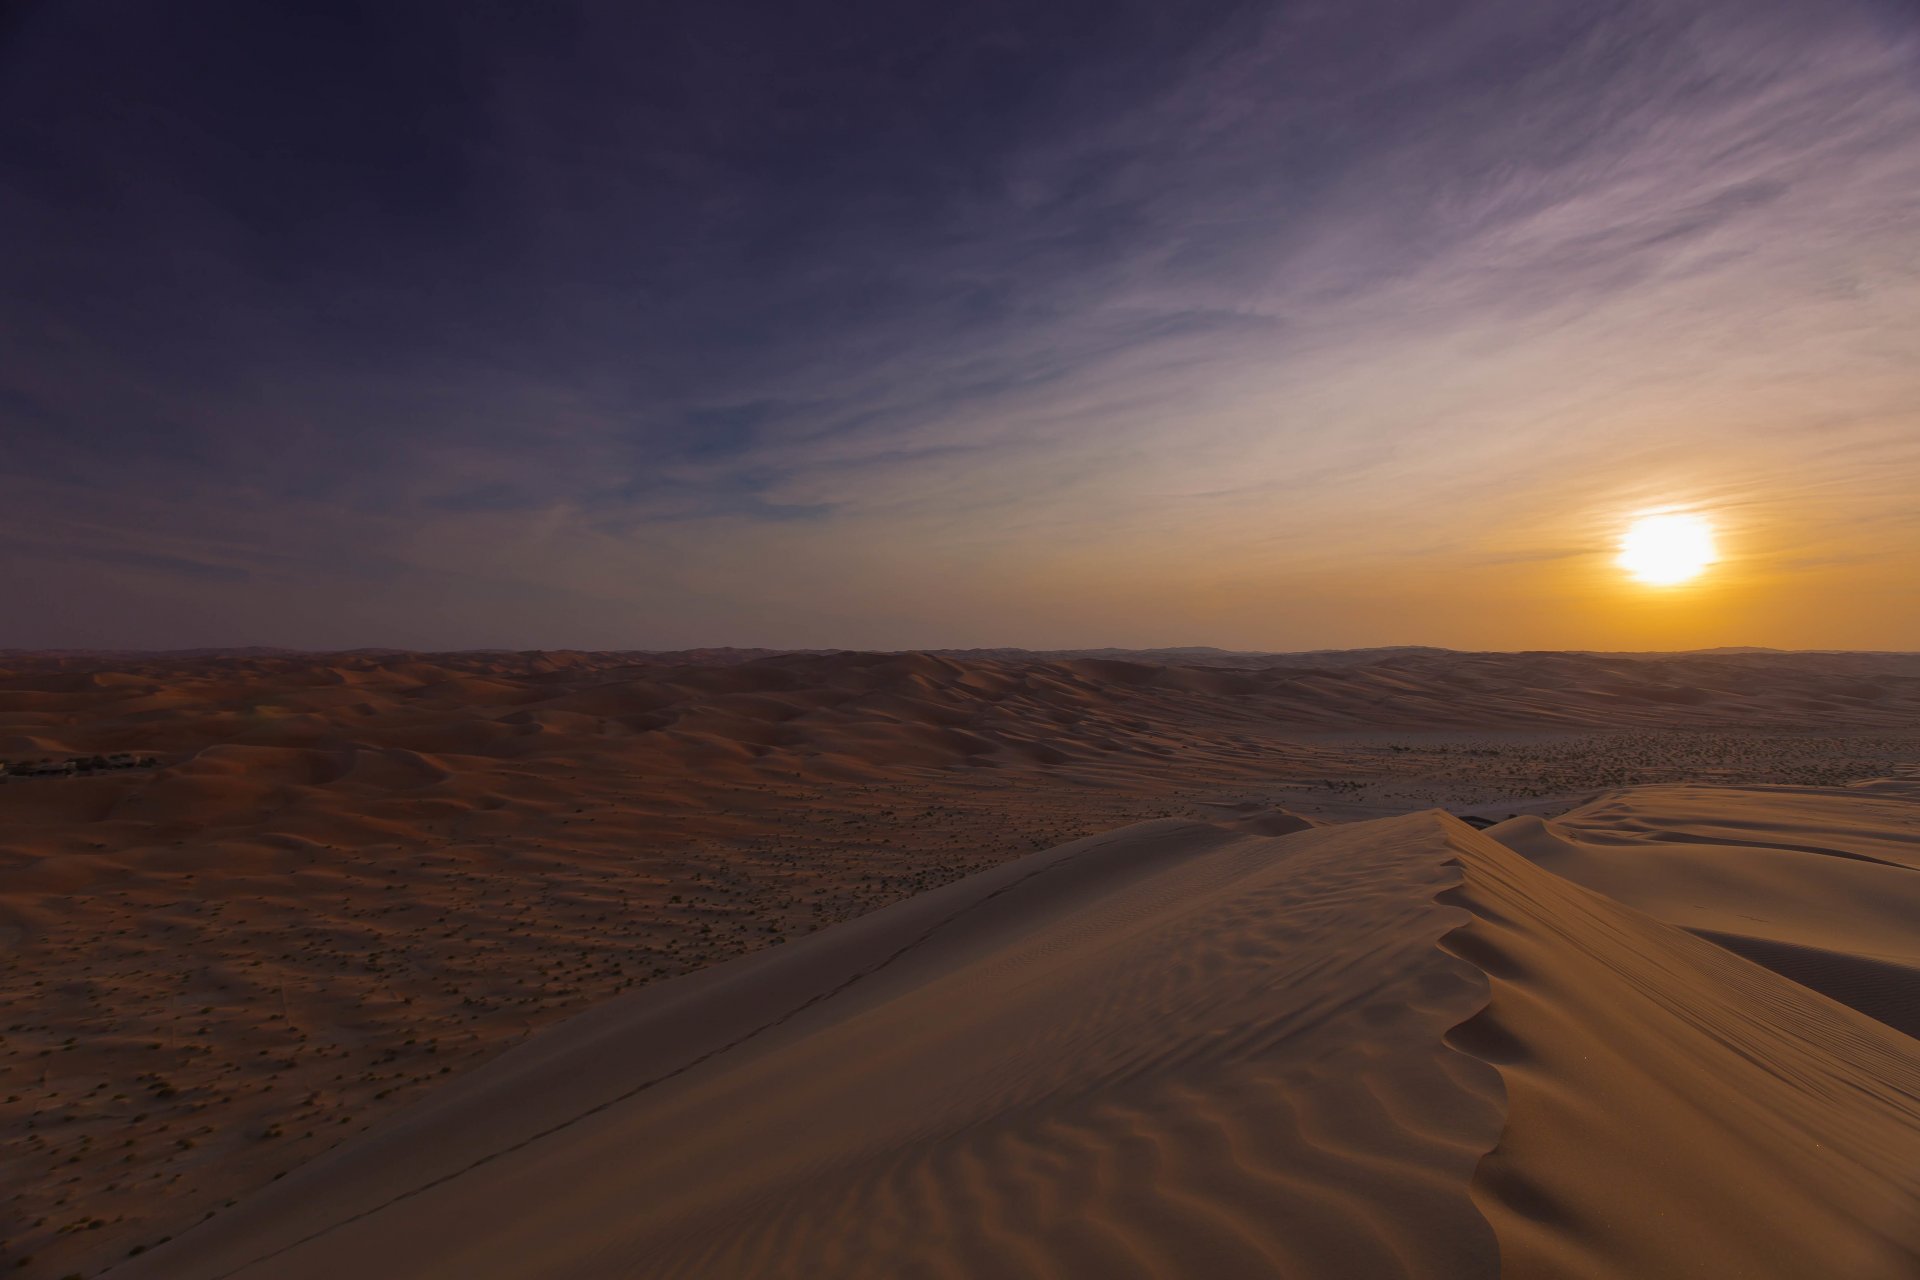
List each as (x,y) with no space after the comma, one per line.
(1820,885)
(1180,1049)
(1672,1108)
(788,903)
(1173,1050)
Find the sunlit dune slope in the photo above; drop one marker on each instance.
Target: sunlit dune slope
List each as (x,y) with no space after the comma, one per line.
(1821,885)
(1178,1049)
(1674,1110)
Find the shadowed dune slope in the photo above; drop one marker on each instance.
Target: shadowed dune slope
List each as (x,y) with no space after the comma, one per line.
(1393,1048)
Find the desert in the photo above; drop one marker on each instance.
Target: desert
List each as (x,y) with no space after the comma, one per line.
(886,964)
(1023,640)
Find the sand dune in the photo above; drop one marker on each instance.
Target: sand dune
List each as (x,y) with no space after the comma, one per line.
(1178,1049)
(1174,1050)
(356,880)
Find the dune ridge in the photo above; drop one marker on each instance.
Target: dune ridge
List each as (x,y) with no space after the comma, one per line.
(1180,1046)
(1387,1048)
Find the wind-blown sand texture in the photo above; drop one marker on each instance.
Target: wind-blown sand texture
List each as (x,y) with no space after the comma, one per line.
(355,880)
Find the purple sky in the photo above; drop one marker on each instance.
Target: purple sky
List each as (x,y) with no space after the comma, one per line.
(879,325)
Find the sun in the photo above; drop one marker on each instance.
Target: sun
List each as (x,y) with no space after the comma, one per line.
(1666,549)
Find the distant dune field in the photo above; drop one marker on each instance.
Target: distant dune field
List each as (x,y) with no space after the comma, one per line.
(355,892)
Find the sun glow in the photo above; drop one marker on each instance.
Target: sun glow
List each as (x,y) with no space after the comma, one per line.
(1667,549)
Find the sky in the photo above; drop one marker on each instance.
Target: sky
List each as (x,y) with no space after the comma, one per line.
(882,325)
